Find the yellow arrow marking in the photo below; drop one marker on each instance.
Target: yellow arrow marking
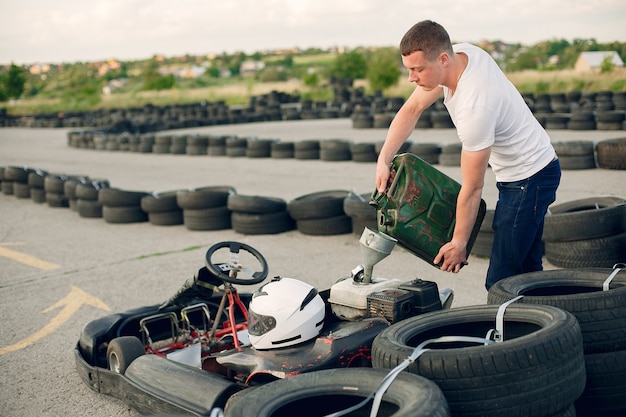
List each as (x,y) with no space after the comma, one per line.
(70,303)
(27,259)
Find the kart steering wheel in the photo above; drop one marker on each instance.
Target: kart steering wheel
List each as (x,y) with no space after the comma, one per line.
(229,271)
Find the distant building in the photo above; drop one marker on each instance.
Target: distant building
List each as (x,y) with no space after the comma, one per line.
(593,60)
(248,68)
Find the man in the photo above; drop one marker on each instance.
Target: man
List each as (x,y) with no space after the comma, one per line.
(496,127)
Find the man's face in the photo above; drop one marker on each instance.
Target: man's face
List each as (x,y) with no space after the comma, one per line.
(426,74)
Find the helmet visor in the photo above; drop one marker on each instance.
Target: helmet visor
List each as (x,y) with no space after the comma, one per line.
(259,324)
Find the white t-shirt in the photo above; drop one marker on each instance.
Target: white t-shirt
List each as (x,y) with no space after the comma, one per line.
(487,110)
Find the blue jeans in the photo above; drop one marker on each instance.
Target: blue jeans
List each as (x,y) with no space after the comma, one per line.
(518,223)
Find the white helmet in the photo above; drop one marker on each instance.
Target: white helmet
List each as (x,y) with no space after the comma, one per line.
(284,312)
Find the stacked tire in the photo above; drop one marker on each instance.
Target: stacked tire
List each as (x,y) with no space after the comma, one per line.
(16,179)
(589,232)
(597,298)
(54,187)
(536,370)
(335,150)
(363,152)
(162,209)
(205,208)
(69,190)
(321,213)
(36,185)
(451,155)
(361,213)
(255,215)
(87,204)
(428,152)
(576,154)
(122,206)
(307,149)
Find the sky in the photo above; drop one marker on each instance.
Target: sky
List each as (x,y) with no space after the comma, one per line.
(59,31)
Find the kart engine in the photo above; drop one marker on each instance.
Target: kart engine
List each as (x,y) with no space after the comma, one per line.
(362,295)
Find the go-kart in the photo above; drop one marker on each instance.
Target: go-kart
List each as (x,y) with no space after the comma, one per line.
(194,352)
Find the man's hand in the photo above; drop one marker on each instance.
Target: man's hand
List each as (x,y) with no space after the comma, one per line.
(382,176)
(451,256)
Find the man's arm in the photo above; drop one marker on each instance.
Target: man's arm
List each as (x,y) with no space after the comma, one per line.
(400,129)
(453,255)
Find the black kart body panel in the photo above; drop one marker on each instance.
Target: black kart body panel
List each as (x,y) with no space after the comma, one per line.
(340,345)
(153,384)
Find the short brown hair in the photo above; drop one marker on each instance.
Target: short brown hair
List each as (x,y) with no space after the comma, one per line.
(426,36)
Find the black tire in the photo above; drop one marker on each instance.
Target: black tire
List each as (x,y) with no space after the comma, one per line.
(335,150)
(214,218)
(360,223)
(328,391)
(448,159)
(357,205)
(54,183)
(606,385)
(36,178)
(124,214)
(38,195)
(611,153)
(602,252)
(574,148)
(262,223)
(166,218)
(282,150)
(160,202)
(17,174)
(204,197)
(21,190)
(255,204)
(122,351)
(336,225)
(55,199)
(601,314)
(90,190)
(317,205)
(115,197)
(586,218)
(88,208)
(577,162)
(542,352)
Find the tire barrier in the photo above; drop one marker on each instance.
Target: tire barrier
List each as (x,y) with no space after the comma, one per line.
(597,298)
(590,232)
(610,153)
(206,208)
(541,352)
(603,111)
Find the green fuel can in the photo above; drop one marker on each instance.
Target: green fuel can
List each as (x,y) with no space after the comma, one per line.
(419,207)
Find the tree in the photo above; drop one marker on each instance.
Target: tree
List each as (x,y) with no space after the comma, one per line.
(607,65)
(13,82)
(383,68)
(349,65)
